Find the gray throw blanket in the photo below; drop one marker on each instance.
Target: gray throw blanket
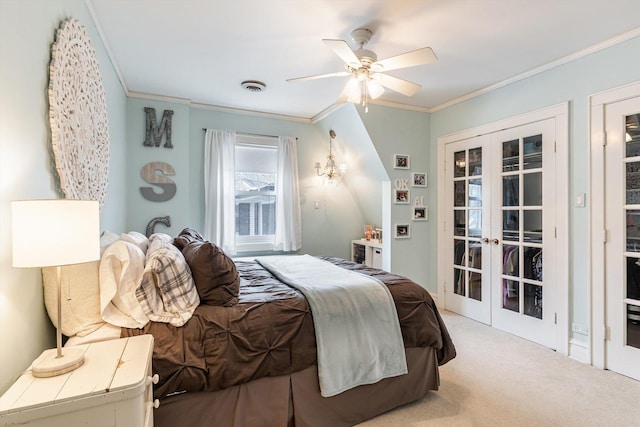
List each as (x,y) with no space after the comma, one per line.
(357,329)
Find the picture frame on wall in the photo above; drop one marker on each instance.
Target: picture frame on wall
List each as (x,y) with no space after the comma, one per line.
(419,213)
(401,231)
(419,179)
(401,161)
(401,197)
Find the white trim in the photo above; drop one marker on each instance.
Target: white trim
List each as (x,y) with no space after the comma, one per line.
(579,351)
(559,112)
(325,113)
(597,224)
(400,106)
(250,112)
(112,59)
(161,98)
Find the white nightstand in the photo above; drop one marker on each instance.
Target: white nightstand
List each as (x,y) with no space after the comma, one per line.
(367,252)
(112,388)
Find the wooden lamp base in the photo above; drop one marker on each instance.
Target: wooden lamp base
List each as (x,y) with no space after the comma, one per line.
(49,364)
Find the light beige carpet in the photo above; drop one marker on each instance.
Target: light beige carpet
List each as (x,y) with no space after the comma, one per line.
(498,379)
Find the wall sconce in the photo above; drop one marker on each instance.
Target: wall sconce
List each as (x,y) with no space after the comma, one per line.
(331,171)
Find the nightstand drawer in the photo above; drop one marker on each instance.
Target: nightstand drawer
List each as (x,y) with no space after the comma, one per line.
(112,388)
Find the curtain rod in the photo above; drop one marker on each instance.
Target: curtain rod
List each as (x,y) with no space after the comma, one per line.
(252,134)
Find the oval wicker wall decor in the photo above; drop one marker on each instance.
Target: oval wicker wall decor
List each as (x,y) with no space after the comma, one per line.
(78,115)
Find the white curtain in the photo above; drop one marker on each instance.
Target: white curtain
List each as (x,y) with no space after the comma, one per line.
(219,189)
(288,224)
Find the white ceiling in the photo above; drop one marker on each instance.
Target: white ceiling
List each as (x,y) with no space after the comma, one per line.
(201,50)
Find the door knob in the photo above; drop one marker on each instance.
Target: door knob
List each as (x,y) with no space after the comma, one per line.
(495,241)
(485,240)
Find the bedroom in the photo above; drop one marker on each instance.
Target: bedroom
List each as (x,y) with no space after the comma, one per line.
(25,170)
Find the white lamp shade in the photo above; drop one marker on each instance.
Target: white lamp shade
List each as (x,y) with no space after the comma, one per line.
(49,233)
(374,88)
(353,90)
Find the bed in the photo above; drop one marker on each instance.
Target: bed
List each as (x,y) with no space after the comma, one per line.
(247,355)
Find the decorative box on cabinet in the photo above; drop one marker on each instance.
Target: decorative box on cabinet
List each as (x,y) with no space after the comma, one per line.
(367,252)
(114,387)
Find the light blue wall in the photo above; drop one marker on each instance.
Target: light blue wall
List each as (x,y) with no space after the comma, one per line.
(366,172)
(27,30)
(366,142)
(395,131)
(325,231)
(140,210)
(573,82)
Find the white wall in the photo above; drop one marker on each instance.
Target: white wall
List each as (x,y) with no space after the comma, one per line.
(27,30)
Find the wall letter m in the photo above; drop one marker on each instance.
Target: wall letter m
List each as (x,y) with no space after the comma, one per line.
(154,133)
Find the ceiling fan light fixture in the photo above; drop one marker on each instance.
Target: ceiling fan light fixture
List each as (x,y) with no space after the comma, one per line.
(353,90)
(374,88)
(367,80)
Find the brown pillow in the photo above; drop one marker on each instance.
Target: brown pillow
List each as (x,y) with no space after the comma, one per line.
(214,273)
(187,236)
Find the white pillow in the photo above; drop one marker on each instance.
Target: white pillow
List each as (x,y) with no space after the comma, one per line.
(121,269)
(80,287)
(107,238)
(80,297)
(138,239)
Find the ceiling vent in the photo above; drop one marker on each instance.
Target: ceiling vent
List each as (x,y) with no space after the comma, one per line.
(254,86)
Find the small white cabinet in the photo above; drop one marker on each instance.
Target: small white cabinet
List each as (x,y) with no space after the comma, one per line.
(367,252)
(114,387)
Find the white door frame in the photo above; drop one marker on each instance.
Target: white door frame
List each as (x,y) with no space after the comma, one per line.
(597,226)
(559,112)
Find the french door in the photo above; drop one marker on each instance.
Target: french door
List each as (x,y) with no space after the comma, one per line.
(622,249)
(467,175)
(497,232)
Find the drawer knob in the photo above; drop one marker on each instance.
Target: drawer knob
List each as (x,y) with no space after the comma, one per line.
(154,379)
(156,403)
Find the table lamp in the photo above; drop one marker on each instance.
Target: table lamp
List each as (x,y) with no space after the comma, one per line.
(53,233)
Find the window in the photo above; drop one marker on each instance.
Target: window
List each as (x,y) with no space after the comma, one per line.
(256,160)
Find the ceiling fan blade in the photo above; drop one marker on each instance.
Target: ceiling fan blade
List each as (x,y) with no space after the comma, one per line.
(409,59)
(321,76)
(398,85)
(342,49)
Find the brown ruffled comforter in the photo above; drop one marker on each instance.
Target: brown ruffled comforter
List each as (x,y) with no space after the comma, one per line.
(269,332)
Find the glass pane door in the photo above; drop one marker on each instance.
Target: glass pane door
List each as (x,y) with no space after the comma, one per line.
(467,187)
(469,280)
(622,249)
(521,213)
(632,230)
(522,232)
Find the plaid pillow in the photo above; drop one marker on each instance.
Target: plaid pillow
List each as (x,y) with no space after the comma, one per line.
(167,292)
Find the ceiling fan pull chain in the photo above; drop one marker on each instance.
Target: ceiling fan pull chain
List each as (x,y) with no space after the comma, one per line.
(365,104)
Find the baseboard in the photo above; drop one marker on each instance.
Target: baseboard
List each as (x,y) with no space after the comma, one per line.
(579,351)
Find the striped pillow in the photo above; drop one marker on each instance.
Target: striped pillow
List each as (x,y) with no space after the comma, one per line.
(167,292)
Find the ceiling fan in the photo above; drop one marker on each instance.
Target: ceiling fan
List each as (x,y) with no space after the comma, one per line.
(368,78)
